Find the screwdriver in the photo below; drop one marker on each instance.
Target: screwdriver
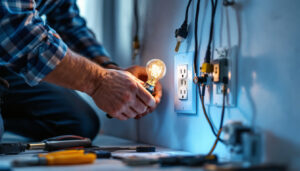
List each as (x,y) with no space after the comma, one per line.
(66,157)
(15,148)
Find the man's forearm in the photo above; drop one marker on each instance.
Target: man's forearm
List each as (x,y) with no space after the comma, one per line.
(76,72)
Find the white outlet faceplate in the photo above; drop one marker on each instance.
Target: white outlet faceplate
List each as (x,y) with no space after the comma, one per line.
(213,94)
(185,89)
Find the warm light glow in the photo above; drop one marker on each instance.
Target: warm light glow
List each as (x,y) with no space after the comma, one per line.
(156,69)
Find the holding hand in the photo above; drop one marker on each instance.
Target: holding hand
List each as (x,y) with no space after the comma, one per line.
(140,73)
(122,95)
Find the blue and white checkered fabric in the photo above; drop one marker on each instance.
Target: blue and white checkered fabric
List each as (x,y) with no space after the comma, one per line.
(31,46)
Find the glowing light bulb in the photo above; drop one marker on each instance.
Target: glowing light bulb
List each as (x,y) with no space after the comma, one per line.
(156,69)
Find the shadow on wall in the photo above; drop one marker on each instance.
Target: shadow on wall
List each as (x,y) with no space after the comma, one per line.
(281,151)
(244,81)
(262,72)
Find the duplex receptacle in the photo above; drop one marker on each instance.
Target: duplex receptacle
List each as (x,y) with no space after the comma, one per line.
(225,68)
(185,90)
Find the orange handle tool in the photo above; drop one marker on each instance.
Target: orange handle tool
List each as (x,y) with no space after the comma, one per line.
(68,157)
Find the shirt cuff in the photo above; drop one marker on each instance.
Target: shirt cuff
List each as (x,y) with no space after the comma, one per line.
(44,58)
(95,51)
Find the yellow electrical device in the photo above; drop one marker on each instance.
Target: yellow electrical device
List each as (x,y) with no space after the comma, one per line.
(207,68)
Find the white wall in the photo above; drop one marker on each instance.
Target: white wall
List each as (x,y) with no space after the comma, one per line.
(266,33)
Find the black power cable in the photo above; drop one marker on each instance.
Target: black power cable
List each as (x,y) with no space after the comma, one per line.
(136,41)
(221,124)
(187,11)
(196,39)
(206,116)
(207,59)
(182,32)
(136,18)
(213,13)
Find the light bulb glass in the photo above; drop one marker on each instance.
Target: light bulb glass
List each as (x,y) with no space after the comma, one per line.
(156,69)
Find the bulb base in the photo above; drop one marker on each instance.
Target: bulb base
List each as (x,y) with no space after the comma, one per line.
(149,87)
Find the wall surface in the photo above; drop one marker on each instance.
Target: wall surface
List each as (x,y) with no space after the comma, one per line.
(266,35)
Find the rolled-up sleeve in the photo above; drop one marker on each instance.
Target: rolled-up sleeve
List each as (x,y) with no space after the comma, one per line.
(28,46)
(66,20)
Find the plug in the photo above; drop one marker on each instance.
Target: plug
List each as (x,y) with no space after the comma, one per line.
(181,34)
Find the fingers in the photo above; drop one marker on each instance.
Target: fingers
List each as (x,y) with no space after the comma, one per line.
(139,106)
(129,97)
(130,113)
(145,96)
(157,93)
(143,114)
(122,116)
(157,96)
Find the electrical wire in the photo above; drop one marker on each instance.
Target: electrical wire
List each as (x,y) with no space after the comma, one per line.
(215,143)
(136,42)
(201,94)
(196,38)
(187,11)
(221,125)
(136,18)
(182,32)
(206,116)
(212,21)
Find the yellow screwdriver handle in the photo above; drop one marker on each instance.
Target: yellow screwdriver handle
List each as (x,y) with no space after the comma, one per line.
(70,159)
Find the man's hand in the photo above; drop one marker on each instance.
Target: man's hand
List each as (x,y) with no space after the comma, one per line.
(116,92)
(122,95)
(140,73)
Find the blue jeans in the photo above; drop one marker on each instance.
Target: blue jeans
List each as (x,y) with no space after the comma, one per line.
(45,110)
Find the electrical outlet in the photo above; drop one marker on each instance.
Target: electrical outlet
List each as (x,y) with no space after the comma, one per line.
(183,93)
(182,71)
(224,67)
(182,76)
(185,89)
(182,89)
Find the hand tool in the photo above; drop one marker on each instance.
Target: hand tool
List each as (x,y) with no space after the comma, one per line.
(66,157)
(51,145)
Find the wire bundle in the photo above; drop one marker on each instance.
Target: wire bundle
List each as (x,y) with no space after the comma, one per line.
(208,59)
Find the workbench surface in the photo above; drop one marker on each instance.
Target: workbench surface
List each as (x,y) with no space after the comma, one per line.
(100,164)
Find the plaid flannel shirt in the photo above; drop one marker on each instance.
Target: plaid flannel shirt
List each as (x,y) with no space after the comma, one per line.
(31,45)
